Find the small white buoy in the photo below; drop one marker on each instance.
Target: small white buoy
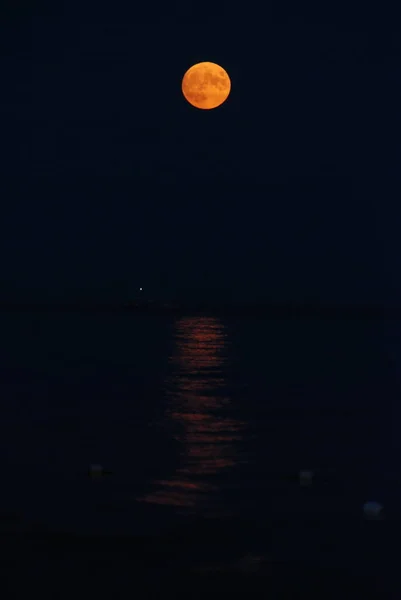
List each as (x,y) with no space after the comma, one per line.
(373,510)
(96,470)
(305,477)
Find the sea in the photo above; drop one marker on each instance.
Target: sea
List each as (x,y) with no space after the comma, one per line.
(264,434)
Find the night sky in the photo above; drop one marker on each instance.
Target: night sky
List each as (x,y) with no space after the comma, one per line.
(288,192)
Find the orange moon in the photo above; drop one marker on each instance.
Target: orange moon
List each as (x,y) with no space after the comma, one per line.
(206,85)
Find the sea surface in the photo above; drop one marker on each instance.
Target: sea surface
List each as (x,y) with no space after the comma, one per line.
(198,419)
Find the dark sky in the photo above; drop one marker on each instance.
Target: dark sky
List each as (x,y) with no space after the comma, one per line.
(289,191)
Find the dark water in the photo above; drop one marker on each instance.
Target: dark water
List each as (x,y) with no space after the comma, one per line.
(197,417)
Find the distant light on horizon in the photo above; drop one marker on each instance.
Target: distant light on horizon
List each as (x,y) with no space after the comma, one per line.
(140,289)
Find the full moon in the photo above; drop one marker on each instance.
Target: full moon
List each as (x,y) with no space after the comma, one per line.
(206,85)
